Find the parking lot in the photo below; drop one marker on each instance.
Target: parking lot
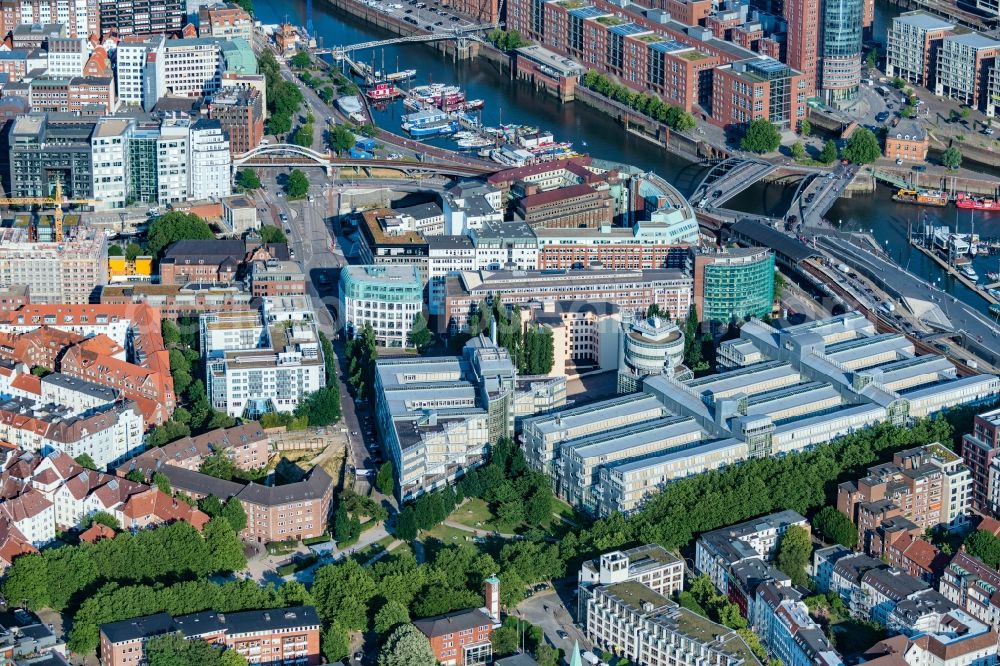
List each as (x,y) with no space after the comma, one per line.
(427,16)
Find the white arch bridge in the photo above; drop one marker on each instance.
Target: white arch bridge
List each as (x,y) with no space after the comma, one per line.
(457,33)
(290,155)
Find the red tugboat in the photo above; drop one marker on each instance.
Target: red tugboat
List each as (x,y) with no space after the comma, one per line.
(383,92)
(963,200)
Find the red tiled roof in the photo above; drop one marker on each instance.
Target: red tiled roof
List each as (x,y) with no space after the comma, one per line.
(559,194)
(96,532)
(28,383)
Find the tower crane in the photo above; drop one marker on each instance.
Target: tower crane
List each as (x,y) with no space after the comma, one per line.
(56,201)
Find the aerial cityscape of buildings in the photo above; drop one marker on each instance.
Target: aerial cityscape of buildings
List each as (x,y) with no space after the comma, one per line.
(662,384)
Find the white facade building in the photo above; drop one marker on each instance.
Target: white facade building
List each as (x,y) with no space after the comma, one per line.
(134,63)
(172,149)
(109,156)
(386,297)
(67,56)
(192,67)
(254,366)
(210,161)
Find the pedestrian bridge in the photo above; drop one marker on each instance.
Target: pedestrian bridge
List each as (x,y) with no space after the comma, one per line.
(290,155)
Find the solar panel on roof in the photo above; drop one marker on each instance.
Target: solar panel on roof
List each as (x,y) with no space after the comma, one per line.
(627,29)
(588,12)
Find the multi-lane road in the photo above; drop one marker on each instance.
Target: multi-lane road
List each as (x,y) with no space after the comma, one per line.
(314,241)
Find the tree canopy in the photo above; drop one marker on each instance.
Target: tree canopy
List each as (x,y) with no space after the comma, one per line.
(862,147)
(951,157)
(297,185)
(985,546)
(247,179)
(175,226)
(341,139)
(834,526)
(794,551)
(272,234)
(406,646)
(829,153)
(761,136)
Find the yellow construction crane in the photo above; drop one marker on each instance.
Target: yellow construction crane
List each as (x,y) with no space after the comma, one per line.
(56,201)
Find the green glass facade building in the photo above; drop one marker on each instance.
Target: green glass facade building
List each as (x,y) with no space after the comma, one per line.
(738,283)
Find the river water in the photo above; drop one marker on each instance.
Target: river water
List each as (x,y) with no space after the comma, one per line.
(593,132)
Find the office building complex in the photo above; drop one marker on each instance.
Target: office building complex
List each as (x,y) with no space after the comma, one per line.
(661,242)
(437,417)
(225,21)
(790,388)
(273,277)
(802,41)
(141,17)
(109,155)
(734,284)
(928,486)
(746,90)
(67,56)
(261,362)
(274,636)
(210,161)
(566,207)
(387,298)
(650,565)
(840,51)
(911,52)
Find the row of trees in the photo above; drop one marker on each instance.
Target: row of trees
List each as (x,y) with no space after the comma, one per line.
(304,134)
(175,650)
(506,40)
(62,578)
(673,116)
(532,350)
(362,352)
(284,99)
(195,413)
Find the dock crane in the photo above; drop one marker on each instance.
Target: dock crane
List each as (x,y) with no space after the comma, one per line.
(57,201)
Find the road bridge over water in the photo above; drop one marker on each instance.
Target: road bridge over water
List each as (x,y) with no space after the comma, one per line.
(288,155)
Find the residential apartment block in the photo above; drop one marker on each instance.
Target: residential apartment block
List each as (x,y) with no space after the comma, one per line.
(246,445)
(964,62)
(274,636)
(225,21)
(746,90)
(120,347)
(785,627)
(80,17)
(929,486)
(210,173)
(955,639)
(46,494)
(262,362)
(913,42)
(972,586)
(240,112)
(978,450)
(141,17)
(298,510)
(716,552)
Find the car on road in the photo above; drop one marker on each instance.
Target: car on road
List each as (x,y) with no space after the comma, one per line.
(919,167)
(454,18)
(882,116)
(283,217)
(716,194)
(562,634)
(288,230)
(439,23)
(988,131)
(311,198)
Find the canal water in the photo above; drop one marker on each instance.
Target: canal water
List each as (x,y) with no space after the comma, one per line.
(593,132)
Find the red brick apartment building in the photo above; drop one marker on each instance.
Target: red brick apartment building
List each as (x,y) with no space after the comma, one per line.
(274,513)
(273,636)
(173,300)
(979,448)
(240,112)
(246,445)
